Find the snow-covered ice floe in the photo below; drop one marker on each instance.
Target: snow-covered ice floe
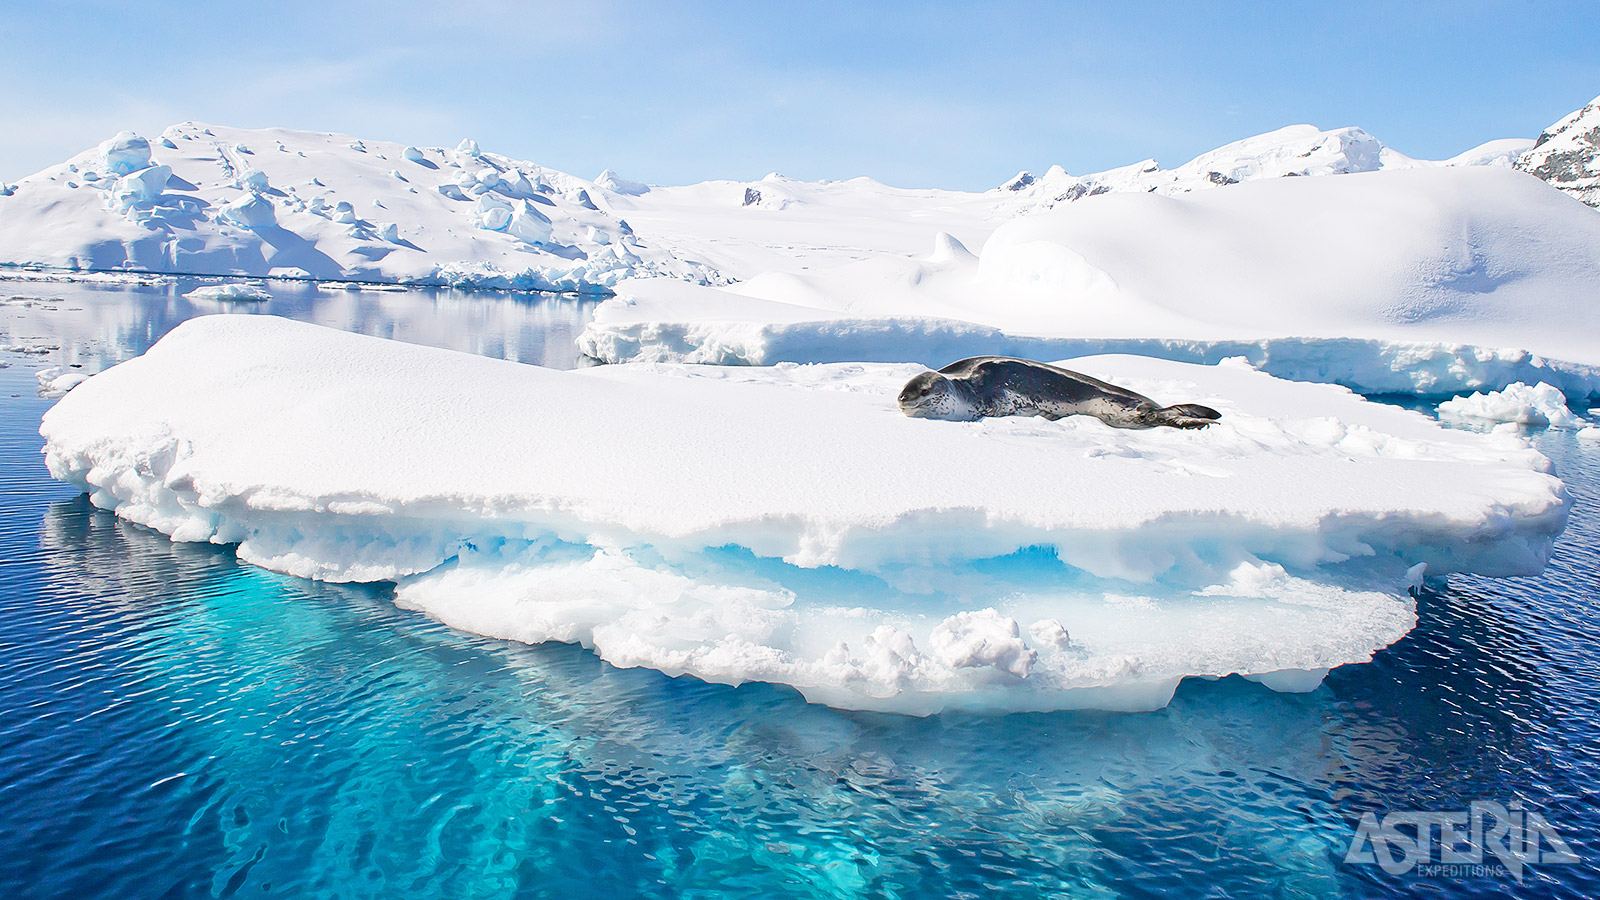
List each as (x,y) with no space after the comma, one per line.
(235,291)
(1421,281)
(790,525)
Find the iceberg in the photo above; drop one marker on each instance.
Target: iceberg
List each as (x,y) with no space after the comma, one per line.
(1521,404)
(869,560)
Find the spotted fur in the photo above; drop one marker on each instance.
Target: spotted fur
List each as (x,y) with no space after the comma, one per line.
(985,386)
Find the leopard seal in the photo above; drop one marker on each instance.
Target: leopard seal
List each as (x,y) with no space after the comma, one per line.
(983,386)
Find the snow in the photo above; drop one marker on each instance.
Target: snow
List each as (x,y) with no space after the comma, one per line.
(228,211)
(1540,404)
(55,381)
(870,560)
(232,291)
(1427,280)
(1567,154)
(616,184)
(254,211)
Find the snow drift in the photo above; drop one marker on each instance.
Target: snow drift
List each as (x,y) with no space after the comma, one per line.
(868,559)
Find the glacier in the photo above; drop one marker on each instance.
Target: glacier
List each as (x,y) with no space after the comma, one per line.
(788,524)
(212,200)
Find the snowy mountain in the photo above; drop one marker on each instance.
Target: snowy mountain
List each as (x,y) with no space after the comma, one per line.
(205,199)
(1298,150)
(1567,154)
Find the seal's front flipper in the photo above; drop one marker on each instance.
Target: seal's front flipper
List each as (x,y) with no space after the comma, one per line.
(1188,415)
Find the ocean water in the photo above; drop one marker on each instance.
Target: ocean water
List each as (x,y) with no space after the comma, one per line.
(176,724)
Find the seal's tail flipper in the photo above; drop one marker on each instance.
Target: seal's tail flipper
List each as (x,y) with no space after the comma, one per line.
(1188,415)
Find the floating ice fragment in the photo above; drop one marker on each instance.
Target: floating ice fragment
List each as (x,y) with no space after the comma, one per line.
(234,291)
(57,380)
(1541,404)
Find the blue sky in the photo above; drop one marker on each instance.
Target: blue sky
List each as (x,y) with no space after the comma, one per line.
(957,95)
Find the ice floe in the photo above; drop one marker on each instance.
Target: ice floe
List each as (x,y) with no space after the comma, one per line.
(788,524)
(1539,404)
(232,291)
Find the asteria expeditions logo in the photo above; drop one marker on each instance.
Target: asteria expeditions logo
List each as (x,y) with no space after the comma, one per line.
(1486,838)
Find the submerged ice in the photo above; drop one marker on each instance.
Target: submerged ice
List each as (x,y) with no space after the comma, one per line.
(789,524)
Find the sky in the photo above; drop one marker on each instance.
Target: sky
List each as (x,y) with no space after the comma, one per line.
(930,94)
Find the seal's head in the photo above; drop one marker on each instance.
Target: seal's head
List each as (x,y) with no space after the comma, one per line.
(932,396)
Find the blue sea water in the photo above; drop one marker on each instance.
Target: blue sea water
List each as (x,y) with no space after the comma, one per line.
(176,724)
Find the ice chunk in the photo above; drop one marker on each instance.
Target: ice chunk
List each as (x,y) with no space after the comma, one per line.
(495,219)
(1589,433)
(389,231)
(139,187)
(251,180)
(1540,404)
(529,224)
(55,381)
(1050,633)
(469,147)
(969,640)
(251,211)
(234,291)
(413,154)
(344,213)
(125,153)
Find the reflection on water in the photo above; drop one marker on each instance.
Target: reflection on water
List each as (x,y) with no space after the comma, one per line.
(97,325)
(175,724)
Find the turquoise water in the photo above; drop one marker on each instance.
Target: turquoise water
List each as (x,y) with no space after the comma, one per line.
(175,724)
